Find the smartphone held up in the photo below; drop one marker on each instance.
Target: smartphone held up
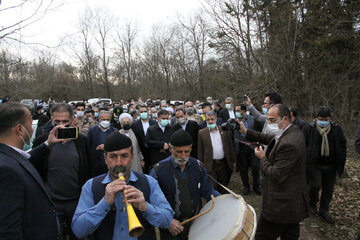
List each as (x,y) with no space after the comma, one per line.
(68,133)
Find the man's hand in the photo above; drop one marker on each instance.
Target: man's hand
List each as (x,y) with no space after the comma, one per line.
(135,197)
(100,147)
(112,190)
(259,152)
(142,163)
(52,138)
(242,129)
(175,227)
(166,146)
(248,101)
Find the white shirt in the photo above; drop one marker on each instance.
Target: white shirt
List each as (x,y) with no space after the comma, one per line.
(145,125)
(184,126)
(23,153)
(162,128)
(217,145)
(232,114)
(278,136)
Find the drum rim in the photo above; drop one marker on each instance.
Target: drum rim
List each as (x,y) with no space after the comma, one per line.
(239,222)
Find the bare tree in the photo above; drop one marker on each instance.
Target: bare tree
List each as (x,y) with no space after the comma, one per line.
(126,53)
(38,9)
(87,59)
(103,25)
(195,32)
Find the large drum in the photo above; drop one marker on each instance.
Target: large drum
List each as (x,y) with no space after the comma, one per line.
(231,219)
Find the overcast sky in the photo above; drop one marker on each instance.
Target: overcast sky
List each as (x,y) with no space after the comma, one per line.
(51,29)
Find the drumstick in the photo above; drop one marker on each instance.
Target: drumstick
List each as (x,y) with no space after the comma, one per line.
(227,189)
(203,213)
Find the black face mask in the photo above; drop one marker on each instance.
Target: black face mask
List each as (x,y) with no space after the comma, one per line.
(126,126)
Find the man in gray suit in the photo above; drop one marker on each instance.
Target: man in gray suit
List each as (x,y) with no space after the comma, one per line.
(285,195)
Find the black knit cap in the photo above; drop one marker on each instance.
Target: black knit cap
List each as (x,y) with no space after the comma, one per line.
(180,138)
(116,141)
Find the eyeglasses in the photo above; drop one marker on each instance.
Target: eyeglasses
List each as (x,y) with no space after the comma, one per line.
(264,103)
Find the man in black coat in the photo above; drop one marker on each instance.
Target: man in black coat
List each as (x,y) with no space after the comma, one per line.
(65,169)
(96,137)
(158,138)
(26,209)
(326,156)
(245,155)
(217,108)
(296,120)
(140,128)
(188,126)
(228,112)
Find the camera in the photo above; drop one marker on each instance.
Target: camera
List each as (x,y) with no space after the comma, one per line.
(67,133)
(244,98)
(230,124)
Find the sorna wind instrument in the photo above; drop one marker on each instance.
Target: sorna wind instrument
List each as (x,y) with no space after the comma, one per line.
(135,227)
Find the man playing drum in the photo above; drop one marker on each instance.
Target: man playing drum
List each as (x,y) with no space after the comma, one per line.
(184,181)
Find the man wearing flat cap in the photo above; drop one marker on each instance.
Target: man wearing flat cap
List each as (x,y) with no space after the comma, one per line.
(184,181)
(101,206)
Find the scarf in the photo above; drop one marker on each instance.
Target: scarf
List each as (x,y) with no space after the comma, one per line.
(325,143)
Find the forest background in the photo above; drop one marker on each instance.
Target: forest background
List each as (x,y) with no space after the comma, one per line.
(307,51)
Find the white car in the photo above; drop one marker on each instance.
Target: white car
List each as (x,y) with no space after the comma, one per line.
(76,101)
(96,100)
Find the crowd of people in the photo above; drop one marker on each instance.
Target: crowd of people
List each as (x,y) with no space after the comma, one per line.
(174,155)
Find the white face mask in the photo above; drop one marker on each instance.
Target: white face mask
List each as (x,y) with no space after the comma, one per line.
(200,111)
(181,121)
(104,124)
(273,128)
(228,106)
(80,113)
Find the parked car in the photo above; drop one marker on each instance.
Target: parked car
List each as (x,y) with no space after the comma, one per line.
(97,100)
(76,101)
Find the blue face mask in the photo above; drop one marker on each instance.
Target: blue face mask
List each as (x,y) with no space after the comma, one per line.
(164,122)
(211,126)
(238,115)
(143,115)
(322,124)
(265,111)
(26,145)
(96,114)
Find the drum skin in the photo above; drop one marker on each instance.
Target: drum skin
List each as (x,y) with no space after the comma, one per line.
(231,219)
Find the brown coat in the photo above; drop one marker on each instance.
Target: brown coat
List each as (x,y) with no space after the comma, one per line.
(285,196)
(205,151)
